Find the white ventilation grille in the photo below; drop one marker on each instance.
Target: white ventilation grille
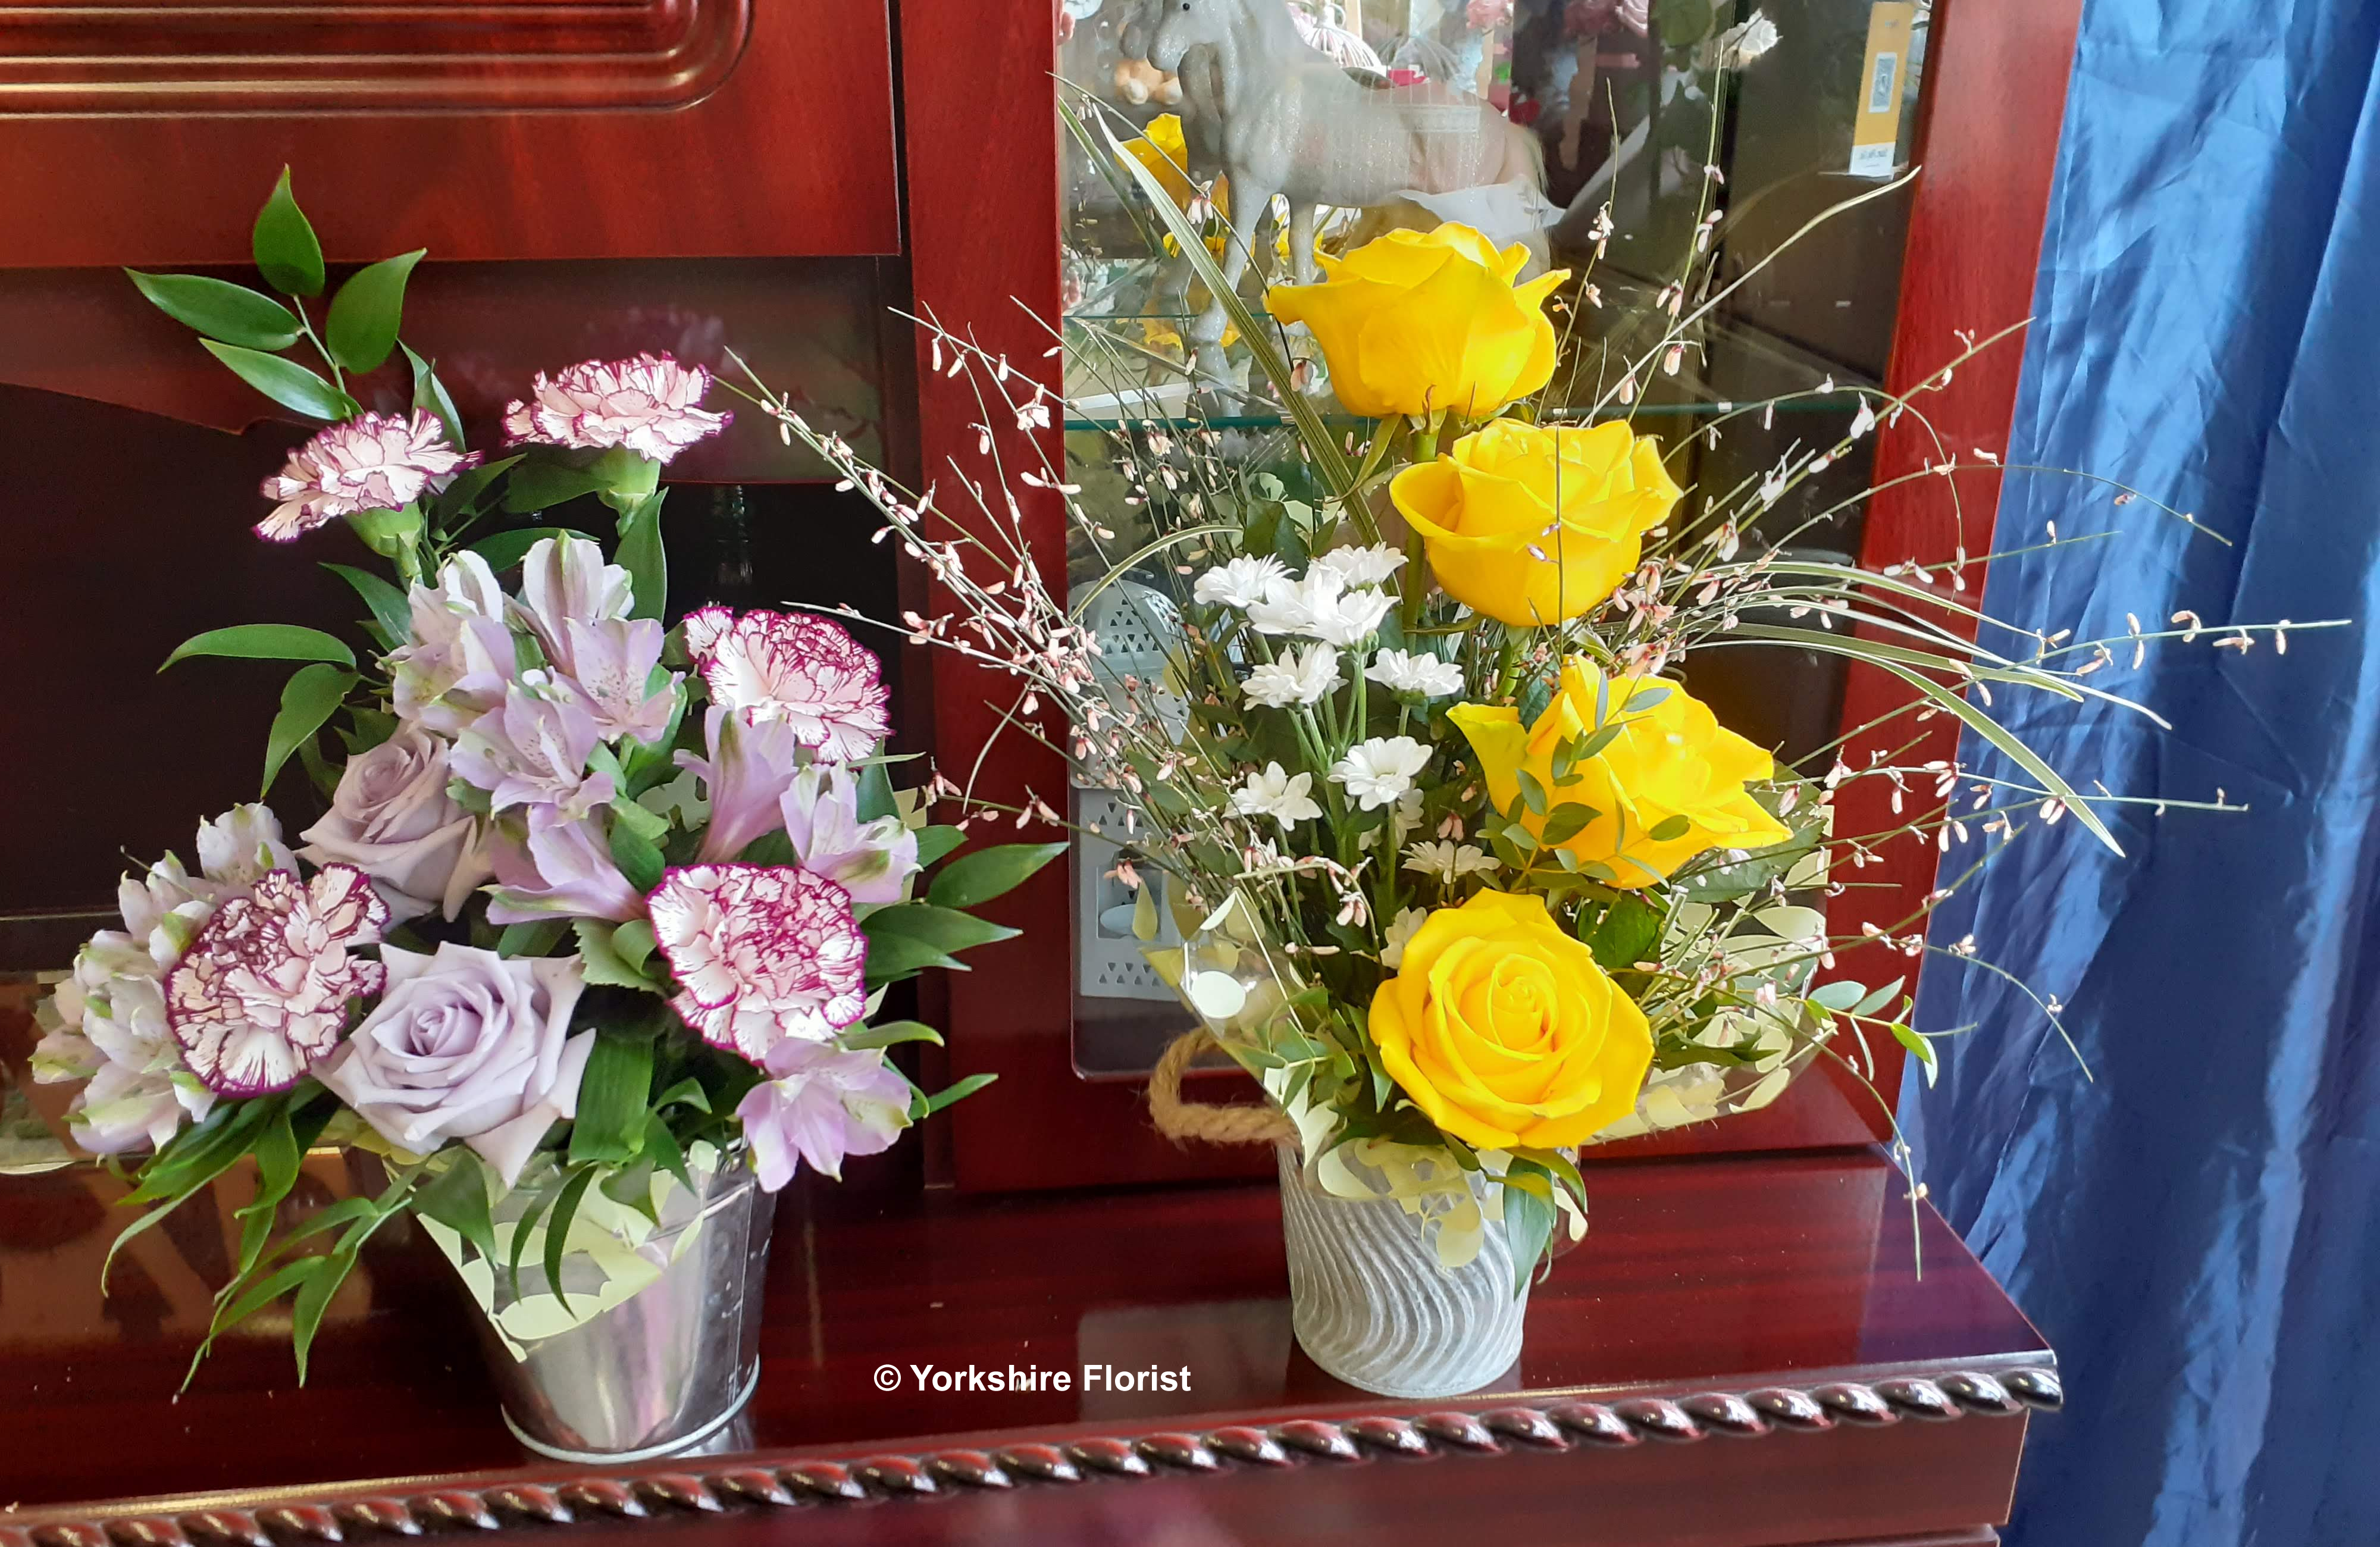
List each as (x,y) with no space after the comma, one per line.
(1108,964)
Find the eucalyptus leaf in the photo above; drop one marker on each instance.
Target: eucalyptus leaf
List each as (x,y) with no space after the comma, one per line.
(1528,1219)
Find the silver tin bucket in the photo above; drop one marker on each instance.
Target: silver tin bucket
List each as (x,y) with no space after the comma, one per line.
(661,1371)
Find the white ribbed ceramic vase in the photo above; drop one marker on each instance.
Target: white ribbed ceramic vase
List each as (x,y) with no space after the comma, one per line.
(1371,1305)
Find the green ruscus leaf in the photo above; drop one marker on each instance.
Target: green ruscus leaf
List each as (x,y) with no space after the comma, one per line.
(286,250)
(310,698)
(364,314)
(291,385)
(223,311)
(265,642)
(975,878)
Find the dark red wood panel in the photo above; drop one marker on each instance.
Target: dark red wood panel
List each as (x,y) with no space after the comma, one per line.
(148,133)
(1997,79)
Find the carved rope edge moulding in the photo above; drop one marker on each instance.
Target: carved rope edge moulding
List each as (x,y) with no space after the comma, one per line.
(756,1481)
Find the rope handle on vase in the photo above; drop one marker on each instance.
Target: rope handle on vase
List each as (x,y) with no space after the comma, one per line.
(1209,1122)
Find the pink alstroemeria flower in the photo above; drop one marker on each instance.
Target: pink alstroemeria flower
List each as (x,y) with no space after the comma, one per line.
(458,656)
(805,670)
(751,765)
(370,462)
(262,993)
(533,751)
(761,953)
(871,860)
(818,1105)
(560,867)
(646,404)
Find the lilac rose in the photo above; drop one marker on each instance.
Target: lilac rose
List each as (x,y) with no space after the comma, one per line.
(392,820)
(467,1045)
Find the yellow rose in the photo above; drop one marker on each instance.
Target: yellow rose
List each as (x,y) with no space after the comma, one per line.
(1535,525)
(1502,1029)
(1419,321)
(1669,786)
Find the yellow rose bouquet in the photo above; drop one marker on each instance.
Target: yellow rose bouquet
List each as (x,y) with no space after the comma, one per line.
(1456,863)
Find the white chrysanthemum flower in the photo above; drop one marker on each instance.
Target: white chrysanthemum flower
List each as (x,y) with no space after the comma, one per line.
(1276,793)
(1321,606)
(1378,771)
(1415,671)
(1362,567)
(1447,863)
(1299,677)
(1402,930)
(1240,582)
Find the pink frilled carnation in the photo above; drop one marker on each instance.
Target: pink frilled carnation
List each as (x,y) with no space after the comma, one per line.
(262,993)
(646,404)
(761,953)
(370,462)
(803,669)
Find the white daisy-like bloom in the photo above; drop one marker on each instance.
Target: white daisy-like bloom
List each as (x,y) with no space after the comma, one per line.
(1745,42)
(1321,606)
(1364,566)
(1415,671)
(1447,863)
(1378,771)
(1299,677)
(1240,582)
(1402,929)
(1276,793)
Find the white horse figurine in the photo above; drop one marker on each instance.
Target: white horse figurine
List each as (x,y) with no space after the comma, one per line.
(1287,118)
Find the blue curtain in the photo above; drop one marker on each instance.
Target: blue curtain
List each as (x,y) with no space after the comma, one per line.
(2195,1226)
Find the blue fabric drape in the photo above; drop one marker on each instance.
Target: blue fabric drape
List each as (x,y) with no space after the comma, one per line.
(2197,1229)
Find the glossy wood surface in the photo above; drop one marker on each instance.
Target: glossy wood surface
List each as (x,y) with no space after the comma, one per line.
(146,133)
(1999,97)
(1698,1274)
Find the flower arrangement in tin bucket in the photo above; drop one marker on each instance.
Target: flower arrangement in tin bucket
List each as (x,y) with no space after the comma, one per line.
(586,939)
(1463,870)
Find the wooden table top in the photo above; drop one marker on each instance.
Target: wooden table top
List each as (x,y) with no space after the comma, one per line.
(1700,1278)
